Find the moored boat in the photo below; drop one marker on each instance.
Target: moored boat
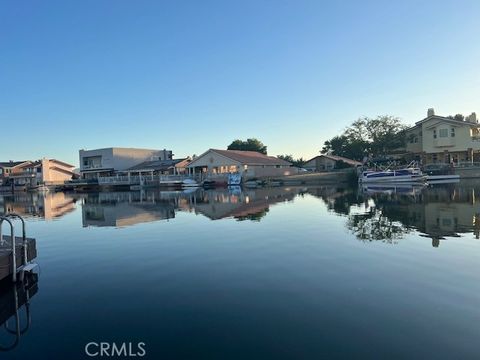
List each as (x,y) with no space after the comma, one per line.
(393,176)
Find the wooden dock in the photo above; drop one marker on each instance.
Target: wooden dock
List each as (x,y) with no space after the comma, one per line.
(6,254)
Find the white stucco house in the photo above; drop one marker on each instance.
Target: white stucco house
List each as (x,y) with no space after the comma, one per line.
(440,139)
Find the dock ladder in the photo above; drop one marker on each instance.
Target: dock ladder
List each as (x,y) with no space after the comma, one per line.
(26,266)
(22,294)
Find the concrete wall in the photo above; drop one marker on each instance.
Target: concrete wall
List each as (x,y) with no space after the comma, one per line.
(268,171)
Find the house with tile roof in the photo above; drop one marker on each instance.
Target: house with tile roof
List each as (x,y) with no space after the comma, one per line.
(440,139)
(215,163)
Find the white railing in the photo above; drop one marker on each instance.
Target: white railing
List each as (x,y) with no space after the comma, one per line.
(142,180)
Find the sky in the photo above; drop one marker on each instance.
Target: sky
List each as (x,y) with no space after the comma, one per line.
(193,75)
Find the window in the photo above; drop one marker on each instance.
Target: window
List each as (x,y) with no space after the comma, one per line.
(443,133)
(416,140)
(434,134)
(452,132)
(434,157)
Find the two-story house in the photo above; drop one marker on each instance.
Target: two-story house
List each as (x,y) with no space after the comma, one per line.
(109,161)
(43,172)
(439,139)
(9,168)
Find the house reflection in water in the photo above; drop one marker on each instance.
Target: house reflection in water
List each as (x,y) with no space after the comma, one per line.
(387,214)
(121,209)
(37,204)
(130,208)
(241,205)
(445,211)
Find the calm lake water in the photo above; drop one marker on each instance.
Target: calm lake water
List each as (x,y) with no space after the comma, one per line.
(269,273)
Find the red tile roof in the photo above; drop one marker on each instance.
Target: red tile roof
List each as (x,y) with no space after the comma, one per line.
(250,157)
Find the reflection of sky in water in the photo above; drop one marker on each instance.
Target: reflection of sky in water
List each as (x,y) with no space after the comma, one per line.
(289,279)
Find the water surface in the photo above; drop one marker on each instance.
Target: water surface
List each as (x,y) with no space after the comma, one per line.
(268,273)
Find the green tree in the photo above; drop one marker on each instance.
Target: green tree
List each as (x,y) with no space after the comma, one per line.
(295,162)
(346,146)
(378,136)
(251,144)
(458,117)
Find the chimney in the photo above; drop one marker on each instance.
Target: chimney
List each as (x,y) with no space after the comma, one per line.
(430,112)
(472,118)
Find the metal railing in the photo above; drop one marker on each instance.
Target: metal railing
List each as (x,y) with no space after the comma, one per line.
(8,218)
(141,180)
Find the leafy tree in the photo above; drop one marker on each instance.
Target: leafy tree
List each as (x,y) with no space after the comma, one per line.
(377,136)
(458,117)
(347,147)
(248,145)
(295,162)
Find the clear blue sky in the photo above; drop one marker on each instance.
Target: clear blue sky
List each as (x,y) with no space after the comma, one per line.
(193,75)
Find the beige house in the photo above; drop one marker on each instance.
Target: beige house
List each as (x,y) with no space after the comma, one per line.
(326,162)
(42,172)
(439,139)
(10,168)
(217,164)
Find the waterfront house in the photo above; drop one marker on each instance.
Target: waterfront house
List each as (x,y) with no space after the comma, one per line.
(439,139)
(110,161)
(327,162)
(218,164)
(32,174)
(9,168)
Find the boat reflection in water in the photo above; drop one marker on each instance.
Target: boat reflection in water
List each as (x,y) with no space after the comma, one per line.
(14,301)
(388,213)
(121,209)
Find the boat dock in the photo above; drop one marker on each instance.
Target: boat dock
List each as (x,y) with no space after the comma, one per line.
(16,252)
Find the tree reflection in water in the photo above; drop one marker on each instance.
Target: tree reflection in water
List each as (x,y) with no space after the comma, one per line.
(387,213)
